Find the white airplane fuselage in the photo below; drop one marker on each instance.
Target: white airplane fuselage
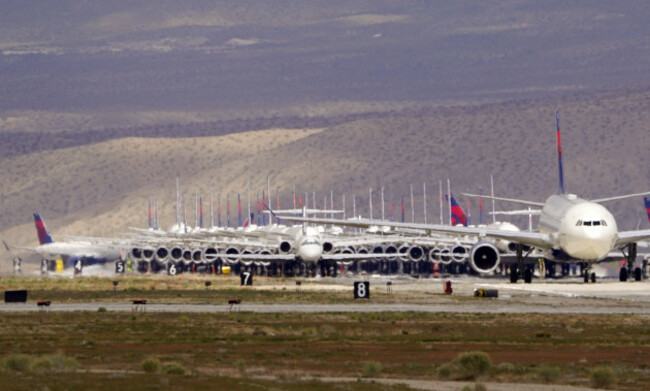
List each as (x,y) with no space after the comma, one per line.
(80,249)
(309,246)
(582,230)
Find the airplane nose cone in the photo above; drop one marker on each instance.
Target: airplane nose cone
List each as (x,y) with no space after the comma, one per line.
(310,252)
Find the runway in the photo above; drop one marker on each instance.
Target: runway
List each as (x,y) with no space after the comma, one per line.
(606,297)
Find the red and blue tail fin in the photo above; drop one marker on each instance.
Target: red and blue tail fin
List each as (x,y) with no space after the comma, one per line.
(457,214)
(559,152)
(647,206)
(41,230)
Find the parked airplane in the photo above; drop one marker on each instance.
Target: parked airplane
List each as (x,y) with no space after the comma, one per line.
(571,229)
(89,251)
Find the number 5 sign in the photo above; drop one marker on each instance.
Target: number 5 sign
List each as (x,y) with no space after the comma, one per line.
(362,289)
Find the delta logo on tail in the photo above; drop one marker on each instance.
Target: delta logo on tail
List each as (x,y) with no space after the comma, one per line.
(647,206)
(41,230)
(457,214)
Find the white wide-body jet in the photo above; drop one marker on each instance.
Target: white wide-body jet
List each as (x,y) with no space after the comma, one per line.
(571,229)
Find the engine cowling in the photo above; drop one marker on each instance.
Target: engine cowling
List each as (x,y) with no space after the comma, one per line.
(390,251)
(362,250)
(403,252)
(136,253)
(445,256)
(484,257)
(197,255)
(416,253)
(148,253)
(176,254)
(327,247)
(285,247)
(210,254)
(162,253)
(459,253)
(434,254)
(231,251)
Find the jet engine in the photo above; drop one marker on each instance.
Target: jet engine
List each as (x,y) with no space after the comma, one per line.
(458,253)
(434,254)
(391,252)
(176,254)
(484,257)
(445,256)
(210,254)
(136,253)
(327,247)
(147,253)
(197,255)
(362,250)
(416,253)
(285,247)
(232,251)
(162,253)
(403,252)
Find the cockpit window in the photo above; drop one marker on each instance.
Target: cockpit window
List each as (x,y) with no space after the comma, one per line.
(596,223)
(587,223)
(603,223)
(579,223)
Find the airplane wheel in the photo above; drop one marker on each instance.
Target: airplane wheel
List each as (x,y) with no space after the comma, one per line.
(637,274)
(593,277)
(528,275)
(513,274)
(622,276)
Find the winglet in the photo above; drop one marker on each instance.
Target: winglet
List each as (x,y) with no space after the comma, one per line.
(41,230)
(647,206)
(559,152)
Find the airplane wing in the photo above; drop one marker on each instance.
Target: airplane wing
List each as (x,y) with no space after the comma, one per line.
(626,237)
(513,200)
(519,212)
(534,239)
(608,199)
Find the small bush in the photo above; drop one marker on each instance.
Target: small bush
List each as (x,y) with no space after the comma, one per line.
(471,365)
(62,363)
(151,365)
(549,374)
(101,309)
(173,369)
(602,377)
(445,371)
(480,387)
(42,364)
(371,369)
(18,362)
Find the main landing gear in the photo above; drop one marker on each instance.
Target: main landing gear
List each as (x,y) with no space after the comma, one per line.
(587,274)
(628,268)
(520,270)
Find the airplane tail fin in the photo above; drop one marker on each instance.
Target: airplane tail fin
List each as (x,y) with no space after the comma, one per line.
(457,214)
(647,206)
(559,152)
(41,230)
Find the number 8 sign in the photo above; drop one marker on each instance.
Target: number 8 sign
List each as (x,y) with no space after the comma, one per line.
(362,289)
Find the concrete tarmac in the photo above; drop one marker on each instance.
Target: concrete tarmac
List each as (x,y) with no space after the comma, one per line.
(420,295)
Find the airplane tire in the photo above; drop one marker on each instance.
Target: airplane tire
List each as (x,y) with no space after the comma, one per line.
(637,274)
(586,277)
(593,277)
(622,275)
(513,274)
(528,275)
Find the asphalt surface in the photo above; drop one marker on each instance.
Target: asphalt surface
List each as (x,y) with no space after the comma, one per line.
(421,295)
